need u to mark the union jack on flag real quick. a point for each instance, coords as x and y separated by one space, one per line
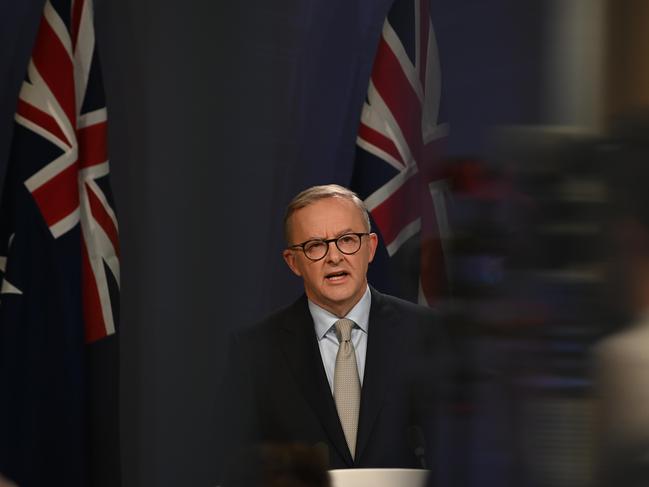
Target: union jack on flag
59 266
399 142
62 101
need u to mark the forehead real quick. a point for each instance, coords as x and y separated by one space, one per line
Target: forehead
327 217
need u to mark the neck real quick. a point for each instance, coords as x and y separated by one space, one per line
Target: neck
338 309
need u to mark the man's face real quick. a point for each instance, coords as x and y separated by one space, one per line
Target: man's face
336 282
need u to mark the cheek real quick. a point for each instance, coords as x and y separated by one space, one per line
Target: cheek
311 273
359 266
366 258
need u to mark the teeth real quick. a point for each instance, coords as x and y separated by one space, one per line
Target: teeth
335 276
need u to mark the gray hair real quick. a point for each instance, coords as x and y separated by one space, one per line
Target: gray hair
317 193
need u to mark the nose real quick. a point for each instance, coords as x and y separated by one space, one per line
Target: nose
334 255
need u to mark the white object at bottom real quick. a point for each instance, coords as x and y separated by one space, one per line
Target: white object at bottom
379 477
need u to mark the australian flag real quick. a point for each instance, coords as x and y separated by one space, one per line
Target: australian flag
59 263
398 170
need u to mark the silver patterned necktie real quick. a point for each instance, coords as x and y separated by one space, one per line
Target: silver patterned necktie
347 386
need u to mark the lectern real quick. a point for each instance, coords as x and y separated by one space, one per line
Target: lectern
379 477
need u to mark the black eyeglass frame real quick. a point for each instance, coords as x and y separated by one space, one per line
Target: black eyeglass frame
302 245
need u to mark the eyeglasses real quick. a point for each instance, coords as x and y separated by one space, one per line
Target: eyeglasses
316 249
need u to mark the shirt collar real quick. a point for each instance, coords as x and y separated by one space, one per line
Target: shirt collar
359 314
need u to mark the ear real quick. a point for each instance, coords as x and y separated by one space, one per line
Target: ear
374 242
291 261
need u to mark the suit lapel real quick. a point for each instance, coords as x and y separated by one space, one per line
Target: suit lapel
300 347
381 338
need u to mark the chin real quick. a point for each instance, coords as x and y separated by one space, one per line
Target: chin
340 299
340 294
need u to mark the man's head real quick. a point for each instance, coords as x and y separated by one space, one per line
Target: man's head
338 280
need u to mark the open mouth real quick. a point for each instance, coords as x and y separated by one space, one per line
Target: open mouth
336 276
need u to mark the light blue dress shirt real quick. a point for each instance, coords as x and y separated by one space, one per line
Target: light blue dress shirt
328 341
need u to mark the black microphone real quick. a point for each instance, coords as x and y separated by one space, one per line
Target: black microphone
418 444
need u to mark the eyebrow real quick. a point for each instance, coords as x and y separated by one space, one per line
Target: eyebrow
339 234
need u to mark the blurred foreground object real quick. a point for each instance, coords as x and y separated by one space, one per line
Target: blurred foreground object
623 358
280 465
6 483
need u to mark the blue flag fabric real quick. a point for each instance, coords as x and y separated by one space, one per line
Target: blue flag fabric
398 170
59 259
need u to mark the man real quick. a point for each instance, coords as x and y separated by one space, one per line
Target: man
344 368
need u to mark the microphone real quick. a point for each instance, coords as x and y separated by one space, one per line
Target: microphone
417 442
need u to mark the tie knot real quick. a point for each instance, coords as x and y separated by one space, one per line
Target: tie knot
344 329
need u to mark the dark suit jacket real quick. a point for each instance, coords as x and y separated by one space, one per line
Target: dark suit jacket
276 390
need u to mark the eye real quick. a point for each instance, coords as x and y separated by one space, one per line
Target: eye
314 245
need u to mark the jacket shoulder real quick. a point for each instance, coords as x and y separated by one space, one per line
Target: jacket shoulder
285 317
392 303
